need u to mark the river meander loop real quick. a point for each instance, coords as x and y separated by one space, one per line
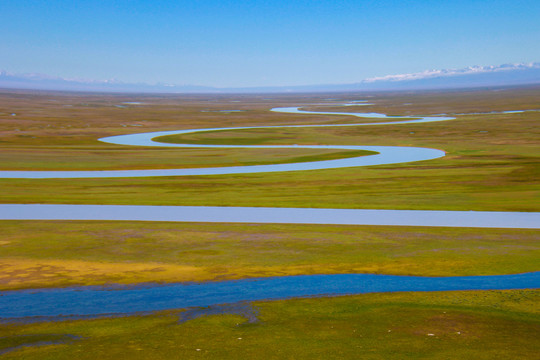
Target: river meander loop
385 154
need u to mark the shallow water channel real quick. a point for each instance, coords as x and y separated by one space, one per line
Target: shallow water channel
101 301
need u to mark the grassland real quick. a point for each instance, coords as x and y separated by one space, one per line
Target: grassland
492 160
449 325
491 164
63 253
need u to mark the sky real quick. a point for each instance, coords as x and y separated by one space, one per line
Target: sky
242 43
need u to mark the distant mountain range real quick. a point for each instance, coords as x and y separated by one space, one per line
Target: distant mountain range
474 76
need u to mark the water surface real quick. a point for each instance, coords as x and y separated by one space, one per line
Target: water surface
99 301
479 219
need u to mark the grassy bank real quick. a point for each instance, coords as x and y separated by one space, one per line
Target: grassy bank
61 253
466 325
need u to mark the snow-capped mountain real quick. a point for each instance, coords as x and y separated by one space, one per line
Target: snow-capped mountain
473 76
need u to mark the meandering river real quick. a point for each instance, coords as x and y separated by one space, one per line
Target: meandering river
386 154
95 301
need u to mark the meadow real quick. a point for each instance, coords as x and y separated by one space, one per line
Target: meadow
491 164
491 161
63 253
447 325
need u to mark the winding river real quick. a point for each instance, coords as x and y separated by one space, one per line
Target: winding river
96 301
386 154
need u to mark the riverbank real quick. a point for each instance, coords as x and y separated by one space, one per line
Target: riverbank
460 324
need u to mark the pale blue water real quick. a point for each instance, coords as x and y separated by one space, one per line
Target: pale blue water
480 219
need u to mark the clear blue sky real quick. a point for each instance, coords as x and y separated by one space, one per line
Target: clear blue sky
256 42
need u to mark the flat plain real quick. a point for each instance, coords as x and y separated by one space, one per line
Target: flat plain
491 165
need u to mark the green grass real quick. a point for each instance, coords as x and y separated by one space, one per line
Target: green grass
464 325
62 253
473 183
107 157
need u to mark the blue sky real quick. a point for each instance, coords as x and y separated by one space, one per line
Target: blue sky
262 43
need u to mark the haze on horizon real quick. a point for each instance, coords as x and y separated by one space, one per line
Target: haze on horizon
262 43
